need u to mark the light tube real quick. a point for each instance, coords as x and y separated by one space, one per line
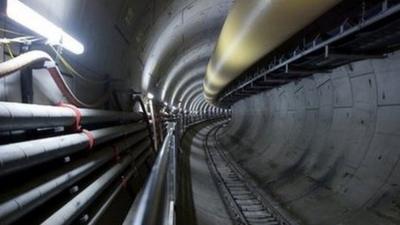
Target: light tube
150 95
32 20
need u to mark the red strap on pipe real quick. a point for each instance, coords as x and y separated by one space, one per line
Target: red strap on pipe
78 115
90 138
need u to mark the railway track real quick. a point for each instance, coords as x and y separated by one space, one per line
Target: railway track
244 201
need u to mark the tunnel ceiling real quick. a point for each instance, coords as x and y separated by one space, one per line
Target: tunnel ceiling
174 42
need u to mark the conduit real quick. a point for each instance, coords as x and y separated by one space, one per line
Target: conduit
23 61
34 57
127 177
73 208
19 116
15 208
109 200
253 29
67 92
18 156
129 128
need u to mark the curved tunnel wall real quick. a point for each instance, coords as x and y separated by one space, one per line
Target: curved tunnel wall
327 146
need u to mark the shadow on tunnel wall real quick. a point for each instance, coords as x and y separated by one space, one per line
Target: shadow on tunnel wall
328 146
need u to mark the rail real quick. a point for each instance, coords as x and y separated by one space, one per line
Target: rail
156 203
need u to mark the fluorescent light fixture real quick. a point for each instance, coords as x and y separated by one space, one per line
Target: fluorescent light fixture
32 20
150 95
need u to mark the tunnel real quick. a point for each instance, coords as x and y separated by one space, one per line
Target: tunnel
199 112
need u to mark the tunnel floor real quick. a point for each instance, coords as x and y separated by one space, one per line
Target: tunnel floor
225 193
208 205
222 192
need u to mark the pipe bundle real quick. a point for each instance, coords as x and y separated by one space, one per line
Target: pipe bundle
101 148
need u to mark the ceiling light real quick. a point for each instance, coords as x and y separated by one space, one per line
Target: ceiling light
150 95
37 23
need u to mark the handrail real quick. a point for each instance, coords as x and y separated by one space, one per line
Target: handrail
156 204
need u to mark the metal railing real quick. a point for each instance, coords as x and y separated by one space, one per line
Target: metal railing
156 204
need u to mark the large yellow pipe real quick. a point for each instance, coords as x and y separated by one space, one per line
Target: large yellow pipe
253 29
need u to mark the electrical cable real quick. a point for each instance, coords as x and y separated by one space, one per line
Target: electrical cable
65 63
72 70
23 60
32 57
12 32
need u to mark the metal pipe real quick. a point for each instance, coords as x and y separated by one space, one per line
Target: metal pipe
18 206
252 30
109 200
133 209
151 204
19 116
23 61
34 57
73 208
26 154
